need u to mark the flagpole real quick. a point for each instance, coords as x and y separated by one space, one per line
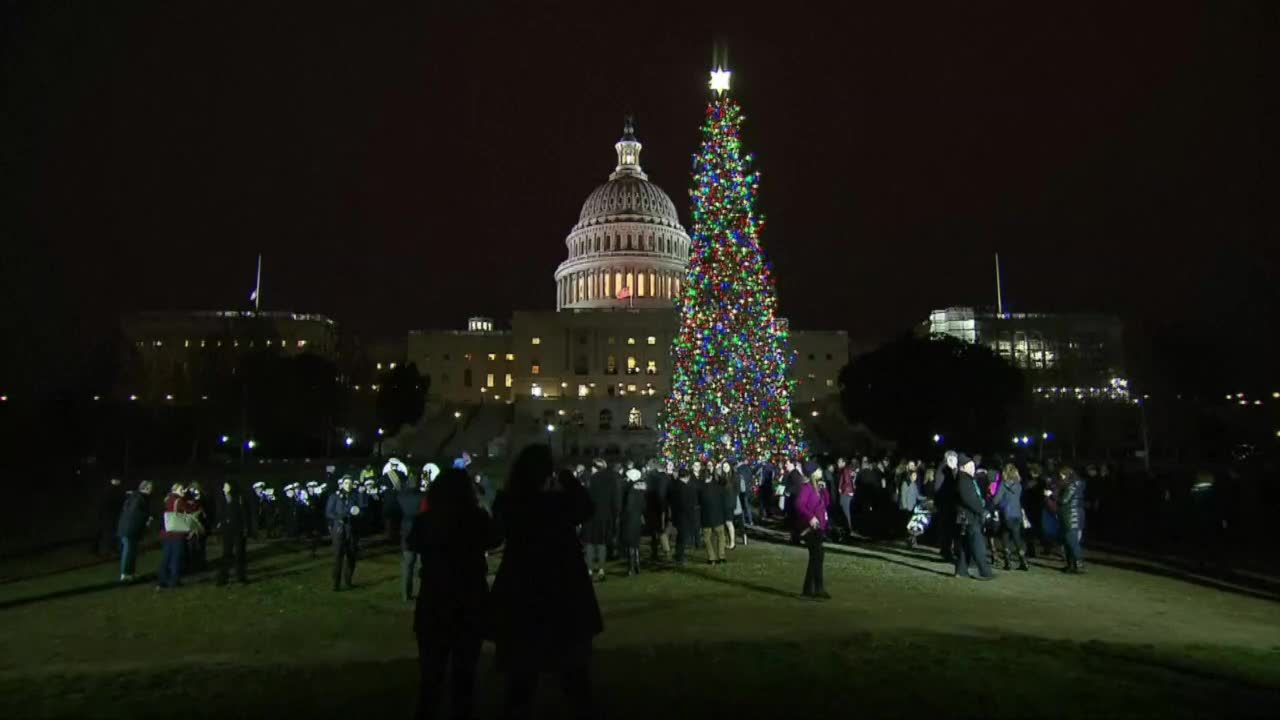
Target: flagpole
257 293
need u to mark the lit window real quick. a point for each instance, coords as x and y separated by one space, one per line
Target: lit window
202 344
632 369
536 390
493 356
379 366
467 357
631 341
488 379
652 340
651 368
631 388
583 391
535 368
506 381
511 357
831 383
301 343
186 343
634 418
392 366
536 341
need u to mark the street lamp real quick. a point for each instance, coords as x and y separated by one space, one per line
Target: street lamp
251 444
224 439
457 414
349 441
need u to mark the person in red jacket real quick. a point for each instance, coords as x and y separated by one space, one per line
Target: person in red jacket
845 486
179 524
811 517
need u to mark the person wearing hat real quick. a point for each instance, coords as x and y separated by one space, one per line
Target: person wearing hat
596 532
342 510
811 516
631 525
971 506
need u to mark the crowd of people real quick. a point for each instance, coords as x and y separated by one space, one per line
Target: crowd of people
560 529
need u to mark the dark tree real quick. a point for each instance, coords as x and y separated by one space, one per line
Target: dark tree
402 398
913 388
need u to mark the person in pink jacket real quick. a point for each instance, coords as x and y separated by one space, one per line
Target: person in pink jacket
811 514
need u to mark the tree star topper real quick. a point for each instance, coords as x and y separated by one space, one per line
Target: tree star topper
720 80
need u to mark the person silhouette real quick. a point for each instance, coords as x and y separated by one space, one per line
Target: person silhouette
545 609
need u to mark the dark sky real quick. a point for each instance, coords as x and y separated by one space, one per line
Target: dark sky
404 169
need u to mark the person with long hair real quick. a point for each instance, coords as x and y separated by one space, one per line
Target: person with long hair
449 621
1008 501
811 517
545 609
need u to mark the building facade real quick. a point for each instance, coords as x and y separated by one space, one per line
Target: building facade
1073 355
171 354
594 373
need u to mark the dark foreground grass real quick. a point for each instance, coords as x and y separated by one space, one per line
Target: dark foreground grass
900 639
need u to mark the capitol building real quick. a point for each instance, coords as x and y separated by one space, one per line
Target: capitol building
590 376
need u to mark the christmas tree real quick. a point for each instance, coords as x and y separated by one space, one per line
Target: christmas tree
730 395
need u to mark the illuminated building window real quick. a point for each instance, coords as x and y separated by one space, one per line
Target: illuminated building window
379 366
511 357
186 343
301 343
652 340
536 390
467 357
535 368
488 380
651 368
493 356
640 292
536 341
632 369
202 343
631 341
392 366
583 391
810 376
506 381
635 419
831 383
631 388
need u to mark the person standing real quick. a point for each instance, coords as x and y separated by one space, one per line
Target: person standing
845 489
811 516
1071 517
449 622
236 523
631 525
657 487
598 529
970 510
725 479
711 515
180 522
1008 502
908 498
768 477
106 540
408 502
746 485
197 558
545 609
135 518
342 510
684 512
944 498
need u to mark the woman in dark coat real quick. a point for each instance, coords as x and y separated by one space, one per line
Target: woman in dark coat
631 525
449 618
545 610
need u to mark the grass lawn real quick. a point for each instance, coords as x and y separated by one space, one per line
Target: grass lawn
901 637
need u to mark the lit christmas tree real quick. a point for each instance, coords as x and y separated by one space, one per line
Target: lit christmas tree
730 395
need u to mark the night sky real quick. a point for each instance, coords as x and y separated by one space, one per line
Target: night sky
406 169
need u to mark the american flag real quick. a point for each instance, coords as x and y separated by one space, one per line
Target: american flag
624 293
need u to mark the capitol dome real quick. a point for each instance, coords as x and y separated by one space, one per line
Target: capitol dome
628 248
